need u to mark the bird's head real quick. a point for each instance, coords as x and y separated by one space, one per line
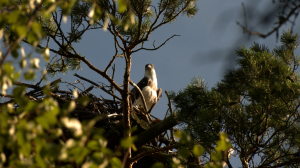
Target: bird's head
150 71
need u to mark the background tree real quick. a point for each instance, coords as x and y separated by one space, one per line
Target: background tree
257 105
280 14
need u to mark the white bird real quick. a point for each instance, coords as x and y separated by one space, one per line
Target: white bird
148 86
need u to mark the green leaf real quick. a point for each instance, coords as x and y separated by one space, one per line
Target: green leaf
216 156
184 152
80 156
47 90
19 95
8 68
223 144
23 63
157 165
26 149
69 106
183 137
21 30
17 75
13 16
21 137
51 115
31 106
115 162
83 101
128 142
32 39
15 53
29 75
178 134
122 6
43 121
93 145
36 28
198 150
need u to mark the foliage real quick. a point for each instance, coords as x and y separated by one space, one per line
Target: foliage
257 105
38 127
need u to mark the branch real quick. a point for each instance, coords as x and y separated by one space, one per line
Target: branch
106 91
155 48
150 152
141 93
281 22
288 162
171 111
102 119
41 88
110 63
6 95
156 130
68 54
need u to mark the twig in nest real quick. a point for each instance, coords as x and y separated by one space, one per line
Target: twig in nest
106 91
149 152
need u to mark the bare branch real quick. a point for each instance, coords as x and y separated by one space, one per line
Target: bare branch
106 91
141 94
155 48
171 111
282 21
150 152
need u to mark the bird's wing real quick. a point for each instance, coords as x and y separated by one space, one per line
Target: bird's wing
142 83
158 92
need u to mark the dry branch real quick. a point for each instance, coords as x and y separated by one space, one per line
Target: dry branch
141 94
149 152
106 91
156 130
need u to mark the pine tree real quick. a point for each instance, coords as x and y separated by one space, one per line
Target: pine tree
257 105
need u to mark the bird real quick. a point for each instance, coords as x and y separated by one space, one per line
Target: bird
148 86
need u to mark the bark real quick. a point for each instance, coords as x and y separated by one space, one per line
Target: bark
156 130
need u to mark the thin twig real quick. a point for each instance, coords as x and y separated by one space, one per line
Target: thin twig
106 91
149 152
38 84
141 94
155 48
281 22
169 102
171 111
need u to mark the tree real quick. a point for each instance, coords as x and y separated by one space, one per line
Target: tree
257 105
44 126
279 14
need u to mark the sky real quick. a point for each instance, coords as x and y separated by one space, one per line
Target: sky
205 48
